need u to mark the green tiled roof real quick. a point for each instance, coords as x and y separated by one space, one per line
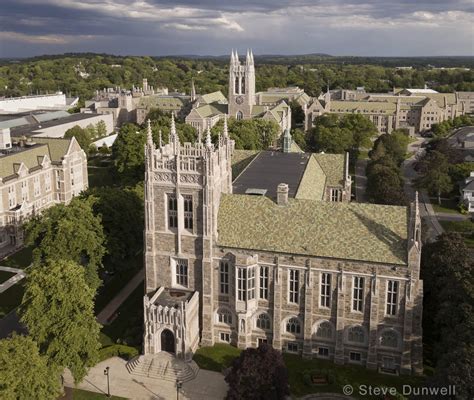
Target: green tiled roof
350 231
31 157
313 182
57 147
209 110
214 97
363 106
332 166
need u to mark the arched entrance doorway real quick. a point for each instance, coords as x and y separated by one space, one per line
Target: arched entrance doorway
167 341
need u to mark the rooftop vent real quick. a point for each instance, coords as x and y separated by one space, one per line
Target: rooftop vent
282 194
256 192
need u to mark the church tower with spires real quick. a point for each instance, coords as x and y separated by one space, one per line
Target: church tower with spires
241 86
183 187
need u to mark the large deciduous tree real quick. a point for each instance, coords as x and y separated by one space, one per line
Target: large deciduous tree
69 232
258 374
82 136
24 373
58 310
447 271
434 174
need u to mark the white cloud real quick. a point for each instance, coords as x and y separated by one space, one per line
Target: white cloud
43 39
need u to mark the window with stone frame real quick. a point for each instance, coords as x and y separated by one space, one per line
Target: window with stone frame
324 330
181 266
294 285
356 334
224 316
292 347
172 211
293 326
336 195
251 283
242 284
224 277
325 295
358 293
188 212
392 297
263 321
264 283
389 338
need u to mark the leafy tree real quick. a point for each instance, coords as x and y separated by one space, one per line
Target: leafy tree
258 374
299 138
101 129
385 185
69 232
82 136
24 373
339 133
128 153
297 113
448 323
393 144
58 310
434 174
122 215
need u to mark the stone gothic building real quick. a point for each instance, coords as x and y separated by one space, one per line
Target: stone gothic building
317 276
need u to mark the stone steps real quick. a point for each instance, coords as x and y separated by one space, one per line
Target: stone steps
163 366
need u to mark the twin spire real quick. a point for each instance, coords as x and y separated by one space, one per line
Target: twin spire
234 57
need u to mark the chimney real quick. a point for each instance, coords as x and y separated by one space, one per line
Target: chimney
282 194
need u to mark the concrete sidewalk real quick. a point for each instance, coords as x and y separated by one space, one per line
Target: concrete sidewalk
19 275
207 385
360 181
108 311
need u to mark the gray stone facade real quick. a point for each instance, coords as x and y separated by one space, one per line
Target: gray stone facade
345 310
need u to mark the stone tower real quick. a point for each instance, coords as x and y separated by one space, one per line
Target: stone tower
241 86
183 186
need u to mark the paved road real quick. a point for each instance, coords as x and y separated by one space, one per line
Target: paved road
207 385
360 181
433 228
109 310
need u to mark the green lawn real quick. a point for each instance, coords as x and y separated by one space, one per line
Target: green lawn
127 328
465 228
363 154
79 394
21 259
217 357
220 356
5 276
449 206
11 298
101 176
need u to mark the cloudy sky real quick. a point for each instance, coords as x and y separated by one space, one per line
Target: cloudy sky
212 27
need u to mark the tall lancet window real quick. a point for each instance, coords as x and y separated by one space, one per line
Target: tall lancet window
236 86
242 86
172 211
188 212
239 115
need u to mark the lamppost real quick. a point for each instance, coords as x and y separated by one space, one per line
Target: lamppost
179 385
106 373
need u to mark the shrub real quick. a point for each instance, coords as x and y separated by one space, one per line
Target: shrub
117 350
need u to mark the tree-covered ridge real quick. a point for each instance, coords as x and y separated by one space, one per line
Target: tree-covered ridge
82 74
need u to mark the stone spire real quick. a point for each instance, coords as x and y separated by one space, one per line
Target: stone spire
160 141
225 131
287 140
208 137
174 139
149 136
247 58
251 57
236 57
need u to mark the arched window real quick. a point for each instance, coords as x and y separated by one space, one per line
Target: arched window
324 330
293 326
263 321
389 338
239 115
236 88
224 316
356 334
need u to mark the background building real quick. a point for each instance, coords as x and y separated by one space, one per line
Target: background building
35 174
